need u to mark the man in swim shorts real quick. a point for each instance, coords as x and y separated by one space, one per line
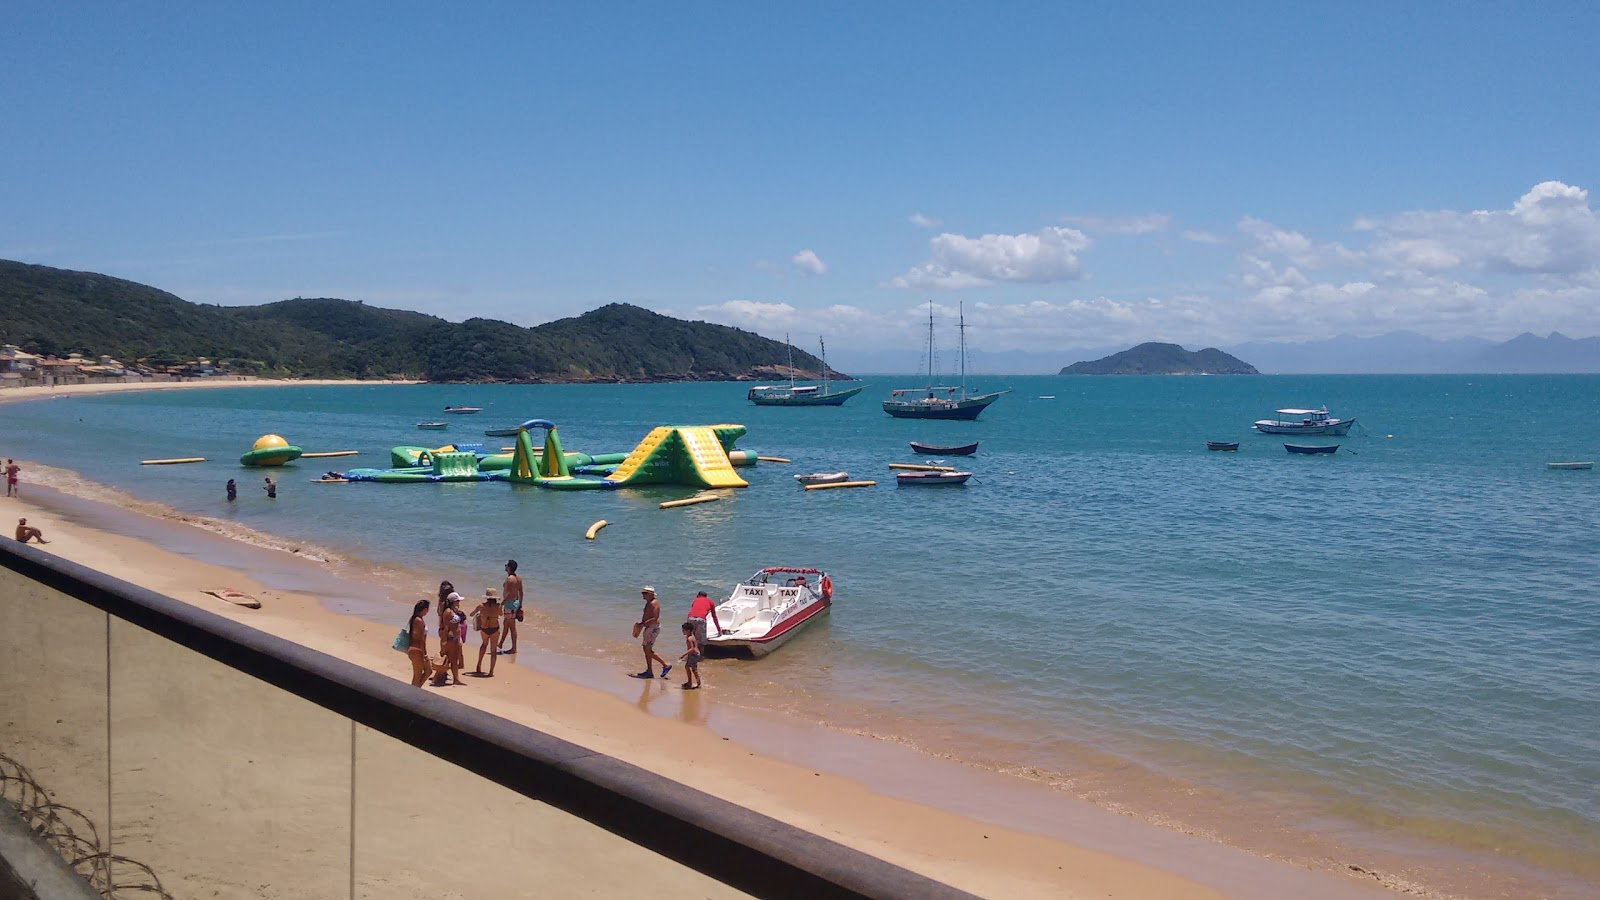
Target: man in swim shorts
513 605
26 532
11 478
649 628
698 610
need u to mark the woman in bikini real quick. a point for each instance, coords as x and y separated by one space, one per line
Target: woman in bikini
418 651
487 615
450 619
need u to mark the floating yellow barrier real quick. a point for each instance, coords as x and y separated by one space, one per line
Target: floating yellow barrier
839 484
595 529
773 459
171 462
327 453
921 468
690 501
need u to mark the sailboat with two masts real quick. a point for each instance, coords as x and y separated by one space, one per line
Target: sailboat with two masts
940 401
793 394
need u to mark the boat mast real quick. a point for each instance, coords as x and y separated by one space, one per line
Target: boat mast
930 346
962 328
824 345
786 343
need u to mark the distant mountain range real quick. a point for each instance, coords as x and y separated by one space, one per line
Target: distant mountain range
56 311
1163 359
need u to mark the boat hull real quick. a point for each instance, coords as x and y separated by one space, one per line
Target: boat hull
930 450
767 611
1311 449
1570 465
1222 445
1335 429
823 478
785 399
933 408
931 479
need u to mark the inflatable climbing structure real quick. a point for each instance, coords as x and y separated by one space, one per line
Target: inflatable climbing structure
692 455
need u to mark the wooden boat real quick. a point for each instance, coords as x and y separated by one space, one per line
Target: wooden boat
930 478
433 426
501 432
768 608
1571 465
930 450
463 410
823 477
940 401
1304 421
1222 445
1311 448
793 394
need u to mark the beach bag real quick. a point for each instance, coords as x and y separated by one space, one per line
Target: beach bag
637 628
402 641
519 614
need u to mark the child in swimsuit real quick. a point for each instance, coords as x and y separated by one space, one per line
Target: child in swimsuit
691 658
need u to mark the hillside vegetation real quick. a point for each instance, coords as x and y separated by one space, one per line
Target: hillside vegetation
1163 359
55 311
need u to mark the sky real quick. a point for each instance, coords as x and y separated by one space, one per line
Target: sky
1086 174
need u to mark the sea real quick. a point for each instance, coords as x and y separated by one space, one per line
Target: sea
1388 654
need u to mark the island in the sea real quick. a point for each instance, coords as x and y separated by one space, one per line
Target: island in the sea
1163 359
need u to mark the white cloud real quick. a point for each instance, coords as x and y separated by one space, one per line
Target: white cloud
809 264
1550 230
751 314
1131 225
1041 257
922 221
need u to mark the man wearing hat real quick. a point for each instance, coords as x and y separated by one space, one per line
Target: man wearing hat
648 628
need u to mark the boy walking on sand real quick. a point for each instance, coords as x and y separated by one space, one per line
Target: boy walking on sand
691 659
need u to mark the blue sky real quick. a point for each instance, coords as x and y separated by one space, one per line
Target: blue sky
1076 175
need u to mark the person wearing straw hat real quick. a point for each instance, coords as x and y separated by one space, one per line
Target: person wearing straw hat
647 629
487 617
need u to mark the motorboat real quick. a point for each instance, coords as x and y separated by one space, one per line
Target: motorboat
931 450
433 426
823 477
1571 465
1311 448
930 478
768 608
463 410
1304 421
1222 445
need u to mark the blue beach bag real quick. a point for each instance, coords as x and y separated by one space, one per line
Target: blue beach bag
402 641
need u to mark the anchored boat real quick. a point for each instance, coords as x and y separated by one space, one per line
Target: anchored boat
823 477
920 479
768 608
1304 421
801 394
931 450
939 401
1311 448
463 410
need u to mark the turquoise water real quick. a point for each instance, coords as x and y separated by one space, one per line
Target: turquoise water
1404 634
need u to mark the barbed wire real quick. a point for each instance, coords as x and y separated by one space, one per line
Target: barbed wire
72 834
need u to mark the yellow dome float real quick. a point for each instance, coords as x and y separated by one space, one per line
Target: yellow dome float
270 450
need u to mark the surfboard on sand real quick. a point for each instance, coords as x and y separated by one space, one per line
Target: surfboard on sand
236 597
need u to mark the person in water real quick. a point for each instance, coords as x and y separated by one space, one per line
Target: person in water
488 614
513 604
417 626
26 533
271 488
648 628
233 491
698 610
690 657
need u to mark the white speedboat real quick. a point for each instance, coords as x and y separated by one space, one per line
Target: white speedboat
931 478
463 410
1304 421
769 608
823 478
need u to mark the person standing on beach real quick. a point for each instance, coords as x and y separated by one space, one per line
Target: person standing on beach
11 478
450 619
233 491
513 591
26 532
271 488
417 625
647 629
487 614
698 610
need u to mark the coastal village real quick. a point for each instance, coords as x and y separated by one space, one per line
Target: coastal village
19 368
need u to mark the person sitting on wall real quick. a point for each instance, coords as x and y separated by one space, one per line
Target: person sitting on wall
26 533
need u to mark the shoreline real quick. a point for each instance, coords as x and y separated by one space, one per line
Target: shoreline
988 833
45 392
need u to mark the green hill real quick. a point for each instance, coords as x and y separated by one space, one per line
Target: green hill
1163 359
55 311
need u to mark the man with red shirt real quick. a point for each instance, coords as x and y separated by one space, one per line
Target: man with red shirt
698 610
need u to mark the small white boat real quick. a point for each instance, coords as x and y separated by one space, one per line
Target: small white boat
433 426
463 410
769 608
1571 465
1304 421
823 477
931 478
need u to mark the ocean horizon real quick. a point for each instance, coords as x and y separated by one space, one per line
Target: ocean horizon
1390 646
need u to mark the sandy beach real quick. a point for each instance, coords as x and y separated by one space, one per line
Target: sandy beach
37 392
990 834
